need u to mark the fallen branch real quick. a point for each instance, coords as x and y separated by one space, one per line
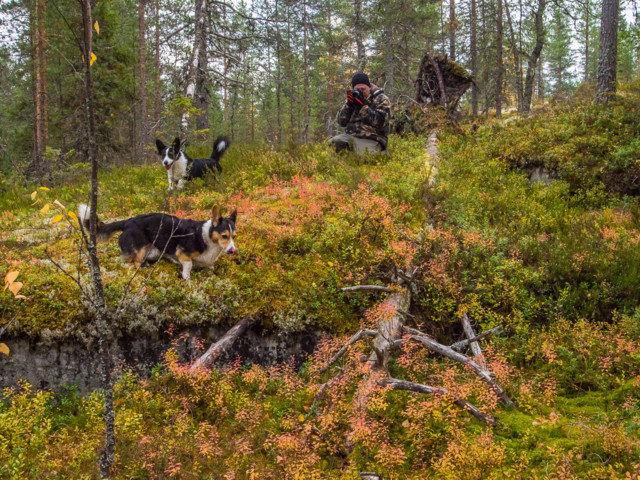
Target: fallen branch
475 346
396 384
367 287
484 375
458 346
227 340
343 350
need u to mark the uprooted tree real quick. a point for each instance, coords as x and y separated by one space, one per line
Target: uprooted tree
439 86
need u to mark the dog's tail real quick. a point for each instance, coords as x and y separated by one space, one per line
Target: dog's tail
220 146
105 230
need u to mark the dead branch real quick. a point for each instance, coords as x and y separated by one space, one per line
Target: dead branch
343 350
458 346
227 340
396 384
443 93
484 375
475 346
367 287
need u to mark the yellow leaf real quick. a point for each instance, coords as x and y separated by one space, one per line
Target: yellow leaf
58 204
4 349
10 277
57 218
33 195
45 209
97 27
93 58
301 418
15 287
44 188
73 215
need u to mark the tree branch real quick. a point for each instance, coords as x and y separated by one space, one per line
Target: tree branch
343 350
222 345
367 287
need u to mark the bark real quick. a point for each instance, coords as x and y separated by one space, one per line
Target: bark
458 346
305 61
358 31
278 76
473 51
534 56
452 29
367 287
201 95
586 42
475 346
390 60
517 63
448 352
330 74
222 345
608 55
196 57
396 384
39 166
107 456
144 124
156 64
499 61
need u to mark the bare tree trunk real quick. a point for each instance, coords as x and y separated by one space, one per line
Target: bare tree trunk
452 29
499 60
38 166
533 58
608 55
222 345
390 59
198 42
305 59
156 64
330 74
108 454
359 34
586 42
517 64
540 79
201 93
279 76
144 124
473 50
485 58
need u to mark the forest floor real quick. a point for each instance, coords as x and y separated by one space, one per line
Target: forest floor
555 262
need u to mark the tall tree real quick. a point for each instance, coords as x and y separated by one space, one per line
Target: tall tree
452 29
38 166
358 31
517 63
608 56
534 55
558 51
144 124
305 64
473 51
500 66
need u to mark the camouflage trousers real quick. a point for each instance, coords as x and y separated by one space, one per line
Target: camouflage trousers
345 141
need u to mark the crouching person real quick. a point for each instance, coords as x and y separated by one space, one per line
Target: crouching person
365 116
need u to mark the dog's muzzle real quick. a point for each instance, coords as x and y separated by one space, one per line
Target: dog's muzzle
167 165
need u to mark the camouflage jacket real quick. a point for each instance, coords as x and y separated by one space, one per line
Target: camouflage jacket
371 121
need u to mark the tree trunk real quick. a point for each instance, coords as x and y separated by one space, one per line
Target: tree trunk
359 34
517 65
156 64
473 51
201 93
108 454
533 58
608 55
279 76
305 60
38 166
540 79
390 59
194 64
452 29
330 74
586 42
499 62
222 345
144 124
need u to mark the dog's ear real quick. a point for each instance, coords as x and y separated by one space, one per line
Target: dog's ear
215 215
233 215
160 146
176 145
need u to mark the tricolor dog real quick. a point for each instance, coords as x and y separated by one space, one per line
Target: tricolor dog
181 167
152 236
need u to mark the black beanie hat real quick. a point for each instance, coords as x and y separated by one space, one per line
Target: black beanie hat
360 77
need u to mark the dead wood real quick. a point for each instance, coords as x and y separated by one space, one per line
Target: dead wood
484 375
475 346
396 384
222 345
441 82
367 287
459 346
343 350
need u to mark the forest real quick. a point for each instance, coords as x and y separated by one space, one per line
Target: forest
460 302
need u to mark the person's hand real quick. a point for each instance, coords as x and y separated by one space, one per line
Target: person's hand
358 98
350 100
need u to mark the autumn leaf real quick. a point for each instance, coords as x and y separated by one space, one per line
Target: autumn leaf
57 218
44 188
10 278
4 349
73 215
97 27
301 418
93 59
15 287
45 209
33 195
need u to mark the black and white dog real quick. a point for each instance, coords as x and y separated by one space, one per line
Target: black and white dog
181 167
151 236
